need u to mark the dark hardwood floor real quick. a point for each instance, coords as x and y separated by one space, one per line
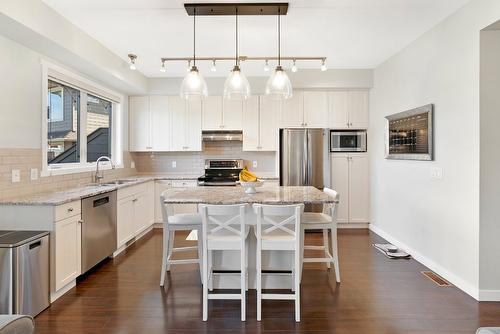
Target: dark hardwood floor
377 295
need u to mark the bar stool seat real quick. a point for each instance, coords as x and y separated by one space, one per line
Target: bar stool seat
185 219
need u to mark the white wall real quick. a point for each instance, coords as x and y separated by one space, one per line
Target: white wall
489 274
436 220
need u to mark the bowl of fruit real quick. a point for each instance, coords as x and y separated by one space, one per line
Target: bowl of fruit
249 181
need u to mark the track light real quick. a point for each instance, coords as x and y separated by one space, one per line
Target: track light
213 68
323 66
294 67
162 68
266 66
132 58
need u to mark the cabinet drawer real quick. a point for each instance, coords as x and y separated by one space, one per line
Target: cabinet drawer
184 183
67 210
132 190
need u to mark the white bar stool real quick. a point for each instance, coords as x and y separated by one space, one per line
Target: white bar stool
224 228
278 228
326 221
178 222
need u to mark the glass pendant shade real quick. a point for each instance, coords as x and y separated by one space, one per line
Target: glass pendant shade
236 86
278 85
193 85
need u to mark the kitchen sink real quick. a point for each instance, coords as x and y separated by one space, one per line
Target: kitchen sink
118 182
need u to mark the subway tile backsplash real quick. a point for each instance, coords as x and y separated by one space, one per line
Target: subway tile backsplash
193 163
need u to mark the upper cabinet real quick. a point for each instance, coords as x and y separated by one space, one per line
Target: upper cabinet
221 114
164 123
305 109
260 124
349 109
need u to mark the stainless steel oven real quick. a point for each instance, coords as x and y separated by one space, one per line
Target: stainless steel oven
347 141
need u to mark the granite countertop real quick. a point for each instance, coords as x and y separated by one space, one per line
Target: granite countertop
237 195
77 193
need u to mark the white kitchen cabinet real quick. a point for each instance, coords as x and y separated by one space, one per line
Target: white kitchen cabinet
232 115
160 187
212 113
135 211
350 178
260 124
349 109
292 111
160 123
140 124
358 109
125 228
66 251
149 124
186 124
315 109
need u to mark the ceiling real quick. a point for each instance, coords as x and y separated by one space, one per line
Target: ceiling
350 33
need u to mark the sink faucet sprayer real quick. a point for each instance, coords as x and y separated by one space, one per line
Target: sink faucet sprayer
98 177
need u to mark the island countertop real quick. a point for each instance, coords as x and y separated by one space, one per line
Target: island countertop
237 195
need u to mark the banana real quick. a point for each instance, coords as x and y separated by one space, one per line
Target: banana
247 176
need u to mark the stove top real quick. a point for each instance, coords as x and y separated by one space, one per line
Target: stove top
221 172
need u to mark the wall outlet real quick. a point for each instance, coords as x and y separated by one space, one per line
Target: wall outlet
132 164
34 174
436 173
16 175
174 164
254 164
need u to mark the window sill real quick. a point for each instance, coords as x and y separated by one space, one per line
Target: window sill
75 169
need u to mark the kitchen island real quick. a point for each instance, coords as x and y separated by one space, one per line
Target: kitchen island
268 194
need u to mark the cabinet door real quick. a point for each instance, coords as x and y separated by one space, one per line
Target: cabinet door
340 183
212 113
269 111
251 124
125 220
160 187
232 114
338 110
67 251
160 123
292 111
359 188
358 109
178 126
316 109
143 212
139 124
193 126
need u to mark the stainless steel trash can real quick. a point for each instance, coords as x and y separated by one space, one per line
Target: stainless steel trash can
24 272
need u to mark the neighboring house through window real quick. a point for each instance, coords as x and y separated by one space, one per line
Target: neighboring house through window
82 124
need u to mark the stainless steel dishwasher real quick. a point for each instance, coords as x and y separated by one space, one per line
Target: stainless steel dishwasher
98 228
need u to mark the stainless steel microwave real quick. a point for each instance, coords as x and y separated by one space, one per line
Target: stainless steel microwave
347 141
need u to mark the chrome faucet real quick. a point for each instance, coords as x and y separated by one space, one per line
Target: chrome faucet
99 176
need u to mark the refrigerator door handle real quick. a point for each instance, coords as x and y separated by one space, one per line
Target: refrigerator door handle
305 160
309 159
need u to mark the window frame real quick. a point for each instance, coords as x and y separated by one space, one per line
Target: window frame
56 73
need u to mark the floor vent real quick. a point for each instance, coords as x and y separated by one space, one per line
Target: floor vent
436 278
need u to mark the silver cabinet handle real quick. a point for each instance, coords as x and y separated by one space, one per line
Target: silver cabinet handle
134 200
149 147
80 221
70 209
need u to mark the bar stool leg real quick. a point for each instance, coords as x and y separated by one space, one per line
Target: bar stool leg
326 246
170 248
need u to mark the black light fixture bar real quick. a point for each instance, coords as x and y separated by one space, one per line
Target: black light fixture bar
257 8
242 58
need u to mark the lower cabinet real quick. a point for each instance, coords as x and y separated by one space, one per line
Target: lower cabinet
135 211
66 251
350 178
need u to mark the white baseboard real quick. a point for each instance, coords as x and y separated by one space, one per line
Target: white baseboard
452 278
489 295
131 241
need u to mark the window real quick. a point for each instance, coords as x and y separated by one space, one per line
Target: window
81 123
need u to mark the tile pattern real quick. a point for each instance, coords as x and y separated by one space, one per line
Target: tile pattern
25 159
194 162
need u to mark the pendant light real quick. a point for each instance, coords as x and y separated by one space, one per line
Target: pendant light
236 86
193 84
278 85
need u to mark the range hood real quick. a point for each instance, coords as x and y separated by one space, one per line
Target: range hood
222 136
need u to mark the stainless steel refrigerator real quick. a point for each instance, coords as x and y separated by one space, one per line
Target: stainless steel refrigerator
304 159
